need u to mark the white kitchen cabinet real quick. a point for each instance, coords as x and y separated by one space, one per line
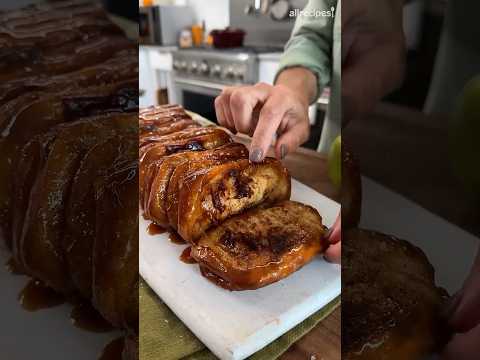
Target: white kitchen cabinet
156 73
145 79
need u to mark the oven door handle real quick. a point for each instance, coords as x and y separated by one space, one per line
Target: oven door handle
200 83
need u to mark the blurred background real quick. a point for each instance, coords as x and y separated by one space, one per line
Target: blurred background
411 143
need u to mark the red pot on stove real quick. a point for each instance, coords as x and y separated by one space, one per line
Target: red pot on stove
228 38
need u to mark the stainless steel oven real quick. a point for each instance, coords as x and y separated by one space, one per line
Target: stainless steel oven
197 95
199 75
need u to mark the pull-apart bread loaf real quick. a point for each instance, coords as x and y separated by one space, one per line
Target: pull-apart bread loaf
244 232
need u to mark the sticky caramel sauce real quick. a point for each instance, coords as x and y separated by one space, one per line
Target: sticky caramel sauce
217 280
154 229
175 238
186 256
36 296
85 317
13 268
113 350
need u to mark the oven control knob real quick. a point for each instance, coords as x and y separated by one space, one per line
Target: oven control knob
183 65
216 70
176 65
240 74
230 72
193 67
204 69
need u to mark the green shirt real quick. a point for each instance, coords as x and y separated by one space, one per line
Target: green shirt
316 45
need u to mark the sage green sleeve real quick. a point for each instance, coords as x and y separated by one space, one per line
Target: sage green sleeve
310 45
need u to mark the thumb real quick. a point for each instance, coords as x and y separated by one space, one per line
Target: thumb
292 138
467 314
463 346
334 237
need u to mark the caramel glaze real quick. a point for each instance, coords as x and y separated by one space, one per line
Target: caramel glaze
113 350
217 280
85 317
13 267
186 256
175 238
154 229
36 296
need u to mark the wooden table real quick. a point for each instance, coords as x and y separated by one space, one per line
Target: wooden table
324 341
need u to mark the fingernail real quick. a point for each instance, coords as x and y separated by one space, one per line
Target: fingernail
256 155
328 232
452 305
283 151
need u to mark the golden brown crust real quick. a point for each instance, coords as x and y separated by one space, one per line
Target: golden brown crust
158 174
261 246
195 142
209 196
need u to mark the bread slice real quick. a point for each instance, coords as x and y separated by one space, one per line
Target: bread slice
195 142
390 304
261 246
157 177
212 195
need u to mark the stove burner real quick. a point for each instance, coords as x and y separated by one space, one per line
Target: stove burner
235 66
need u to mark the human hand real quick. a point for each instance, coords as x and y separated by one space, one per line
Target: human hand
465 319
263 111
373 54
334 237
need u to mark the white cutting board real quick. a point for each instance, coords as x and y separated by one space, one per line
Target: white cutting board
234 325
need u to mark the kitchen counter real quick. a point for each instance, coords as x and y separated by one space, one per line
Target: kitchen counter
162 48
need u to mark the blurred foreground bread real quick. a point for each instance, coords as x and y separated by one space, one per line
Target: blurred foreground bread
351 190
390 304
68 170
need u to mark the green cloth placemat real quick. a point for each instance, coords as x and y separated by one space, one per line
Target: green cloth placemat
164 337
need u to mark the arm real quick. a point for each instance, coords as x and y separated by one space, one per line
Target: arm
264 111
310 48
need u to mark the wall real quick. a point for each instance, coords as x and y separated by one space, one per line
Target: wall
215 13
